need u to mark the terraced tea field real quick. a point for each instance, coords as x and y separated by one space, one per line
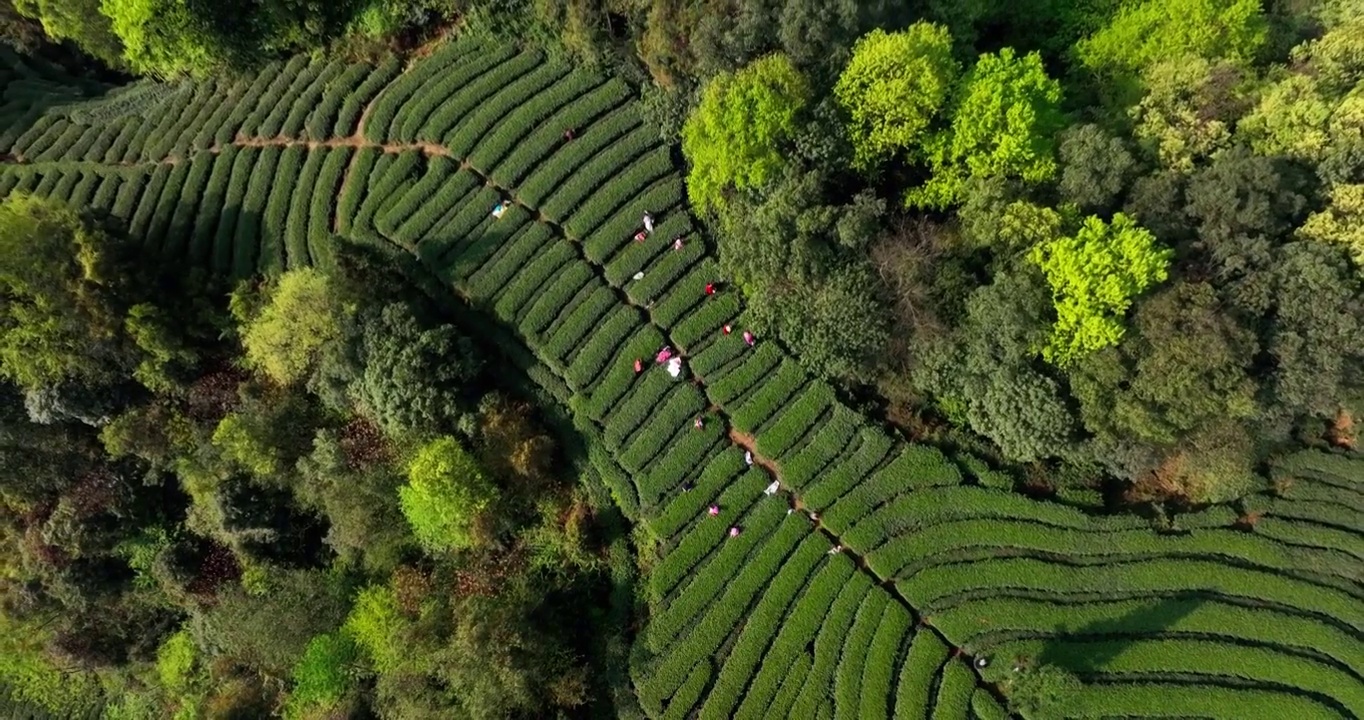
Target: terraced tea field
903 582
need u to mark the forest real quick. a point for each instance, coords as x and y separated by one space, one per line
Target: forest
681 358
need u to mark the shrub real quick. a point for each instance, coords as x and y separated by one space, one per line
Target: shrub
529 280
349 113
794 421
694 570
447 90
192 202
589 340
829 645
176 660
766 399
272 98
849 469
797 628
309 100
273 122
394 96
770 566
212 209
640 403
454 109
545 309
562 106
295 225
493 275
246 239
914 690
597 120
663 427
246 106
754 369
463 138
620 134
419 197
637 158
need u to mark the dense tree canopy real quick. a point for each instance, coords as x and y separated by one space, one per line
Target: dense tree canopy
1095 167
80 21
1146 32
62 302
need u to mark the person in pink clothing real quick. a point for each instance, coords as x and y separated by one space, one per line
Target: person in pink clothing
748 338
639 366
714 510
699 423
734 532
664 355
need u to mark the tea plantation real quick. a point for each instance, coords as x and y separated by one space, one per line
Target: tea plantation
905 583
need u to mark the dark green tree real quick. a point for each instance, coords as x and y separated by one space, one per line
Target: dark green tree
1185 366
986 375
1313 338
1095 167
413 374
838 327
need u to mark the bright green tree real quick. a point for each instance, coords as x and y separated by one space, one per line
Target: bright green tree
1289 119
1094 275
375 623
321 677
735 137
893 88
1318 108
1004 125
284 339
1342 222
1147 32
1336 58
445 493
